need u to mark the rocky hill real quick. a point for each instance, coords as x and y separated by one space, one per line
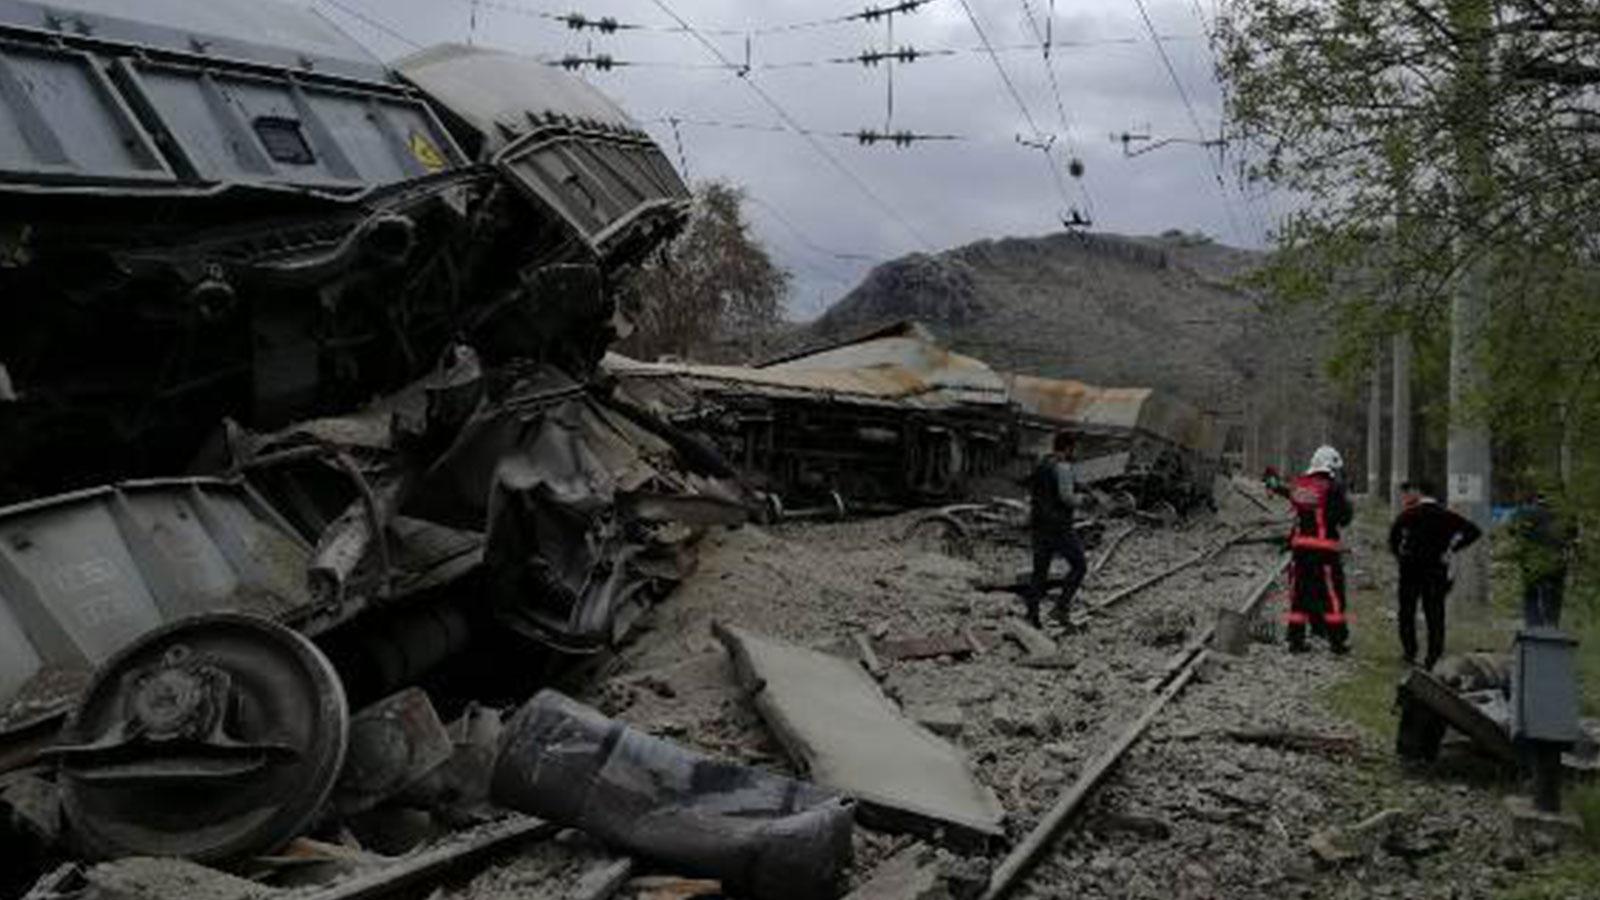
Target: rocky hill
1113 310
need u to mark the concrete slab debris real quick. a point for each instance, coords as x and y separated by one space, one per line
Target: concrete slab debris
911 874
946 720
958 646
1036 642
840 728
1333 846
1437 697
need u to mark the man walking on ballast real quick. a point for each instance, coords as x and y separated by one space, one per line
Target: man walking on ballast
1054 497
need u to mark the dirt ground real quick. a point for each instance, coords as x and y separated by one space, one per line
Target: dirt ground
1191 813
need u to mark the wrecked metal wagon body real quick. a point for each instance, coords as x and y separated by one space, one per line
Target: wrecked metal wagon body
230 208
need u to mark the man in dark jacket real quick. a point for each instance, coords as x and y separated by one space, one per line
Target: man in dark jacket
1422 538
1542 542
1054 496
1316 575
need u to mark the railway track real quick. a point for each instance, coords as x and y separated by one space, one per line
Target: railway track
1174 676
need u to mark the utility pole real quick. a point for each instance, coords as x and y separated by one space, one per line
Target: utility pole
1470 462
1400 412
1375 429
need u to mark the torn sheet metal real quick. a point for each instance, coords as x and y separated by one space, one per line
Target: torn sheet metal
84 574
841 730
582 508
764 836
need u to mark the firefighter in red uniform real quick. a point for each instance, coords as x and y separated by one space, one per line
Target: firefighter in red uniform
1317 594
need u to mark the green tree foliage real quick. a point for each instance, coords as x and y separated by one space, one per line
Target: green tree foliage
714 282
1427 138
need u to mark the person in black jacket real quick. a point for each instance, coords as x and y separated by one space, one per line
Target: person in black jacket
1054 497
1422 538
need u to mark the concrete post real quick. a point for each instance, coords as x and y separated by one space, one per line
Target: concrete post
1400 413
1374 459
1469 441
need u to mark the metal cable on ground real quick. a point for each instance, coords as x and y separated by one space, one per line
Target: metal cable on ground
790 121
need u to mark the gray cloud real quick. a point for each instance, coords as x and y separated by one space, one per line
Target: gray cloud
987 185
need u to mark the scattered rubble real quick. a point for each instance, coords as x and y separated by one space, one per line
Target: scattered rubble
843 733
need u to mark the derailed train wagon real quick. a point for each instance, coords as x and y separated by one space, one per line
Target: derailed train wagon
224 230
1142 447
230 208
889 418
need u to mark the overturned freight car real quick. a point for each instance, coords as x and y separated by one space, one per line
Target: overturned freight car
224 230
1141 447
891 418
230 208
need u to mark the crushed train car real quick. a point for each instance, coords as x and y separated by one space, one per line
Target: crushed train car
224 229
892 417
231 208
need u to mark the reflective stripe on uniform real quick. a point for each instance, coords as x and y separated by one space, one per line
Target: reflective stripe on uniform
1304 542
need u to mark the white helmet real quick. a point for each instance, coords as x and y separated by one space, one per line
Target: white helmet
1326 459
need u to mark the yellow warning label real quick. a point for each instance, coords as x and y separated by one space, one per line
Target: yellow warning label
426 153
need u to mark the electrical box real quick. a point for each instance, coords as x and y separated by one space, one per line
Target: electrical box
1544 687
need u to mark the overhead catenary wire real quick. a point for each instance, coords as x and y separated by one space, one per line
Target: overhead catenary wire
1194 117
865 136
611 25
372 23
1037 140
1207 27
789 120
1046 40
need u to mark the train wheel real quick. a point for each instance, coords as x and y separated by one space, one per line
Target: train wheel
214 737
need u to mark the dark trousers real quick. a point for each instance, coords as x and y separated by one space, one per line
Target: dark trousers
1428 586
1049 542
1541 601
1317 598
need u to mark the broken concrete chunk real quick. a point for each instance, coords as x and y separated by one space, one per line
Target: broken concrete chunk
1333 846
956 646
765 836
837 725
143 878
911 874
946 719
1034 641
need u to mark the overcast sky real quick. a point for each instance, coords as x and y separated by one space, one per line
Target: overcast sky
937 194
